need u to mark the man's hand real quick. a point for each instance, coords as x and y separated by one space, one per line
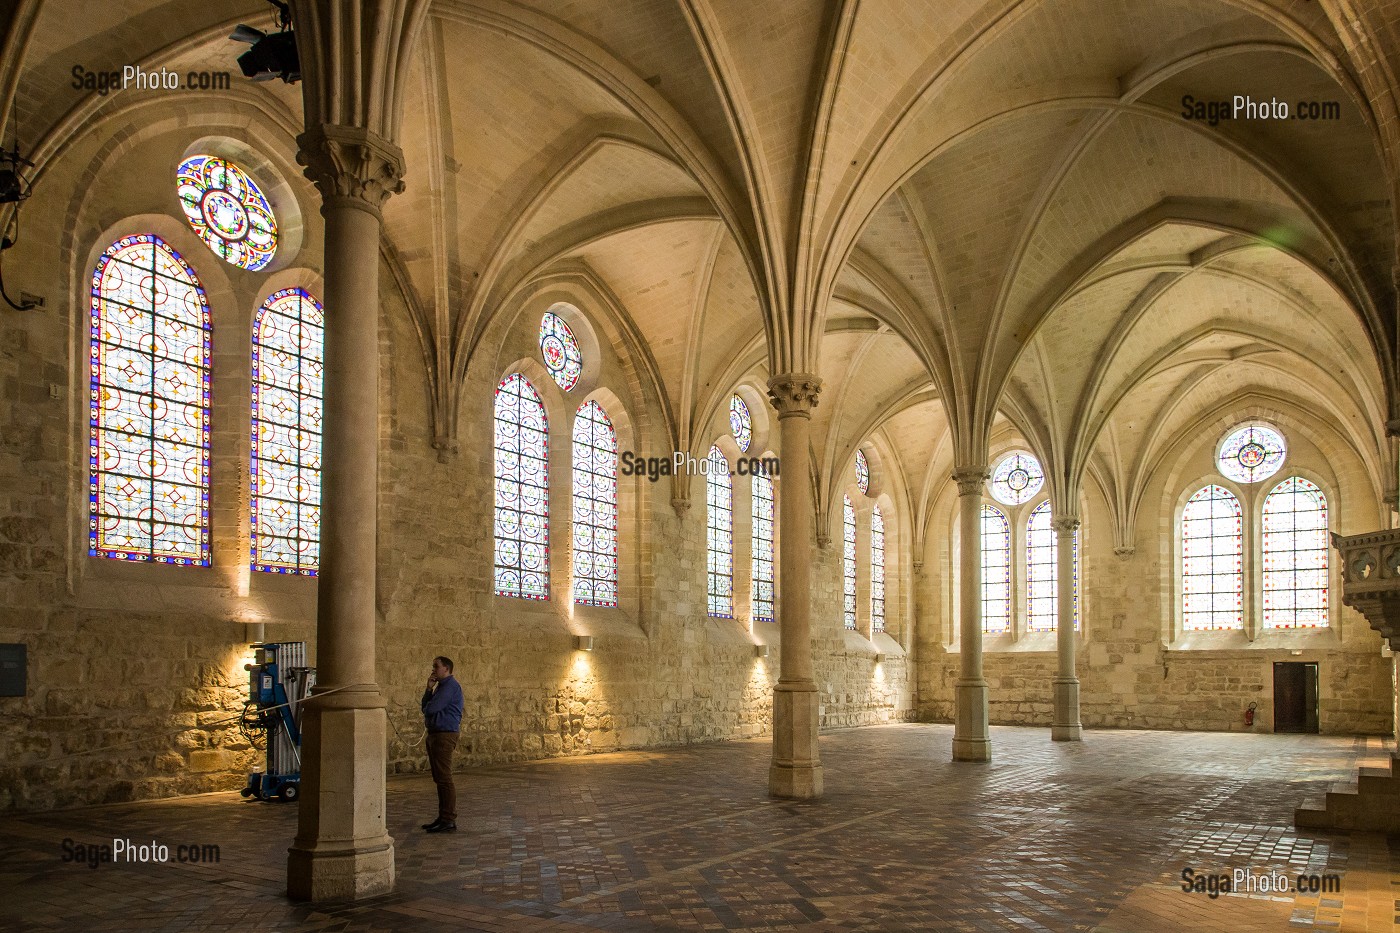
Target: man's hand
432 681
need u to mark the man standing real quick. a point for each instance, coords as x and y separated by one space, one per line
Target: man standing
442 712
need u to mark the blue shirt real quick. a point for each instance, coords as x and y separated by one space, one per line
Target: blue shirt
442 708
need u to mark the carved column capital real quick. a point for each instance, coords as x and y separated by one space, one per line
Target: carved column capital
1065 527
971 480
351 166
682 507
1123 553
1392 428
794 394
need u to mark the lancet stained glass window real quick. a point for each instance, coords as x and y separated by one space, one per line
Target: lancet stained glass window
1251 453
562 356
996 571
719 531
522 490
848 562
1212 548
1041 570
228 210
740 422
286 466
148 447
877 570
1017 479
763 520
862 472
595 507
1295 555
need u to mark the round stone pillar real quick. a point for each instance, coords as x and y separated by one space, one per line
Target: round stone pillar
342 849
1065 727
796 770
971 732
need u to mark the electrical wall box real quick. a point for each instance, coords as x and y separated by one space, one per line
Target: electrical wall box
13 670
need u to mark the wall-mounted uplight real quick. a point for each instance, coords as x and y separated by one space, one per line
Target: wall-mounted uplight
760 651
583 642
879 658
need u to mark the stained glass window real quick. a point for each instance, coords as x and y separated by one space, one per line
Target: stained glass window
1040 570
1212 547
877 570
1017 479
595 507
848 562
1295 555
862 472
763 513
286 466
719 530
560 351
996 571
148 447
740 422
228 210
522 490
1251 453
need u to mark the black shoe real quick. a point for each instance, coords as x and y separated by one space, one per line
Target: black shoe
429 826
442 826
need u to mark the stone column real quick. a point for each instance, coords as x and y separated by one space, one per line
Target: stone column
796 770
342 849
1066 727
971 734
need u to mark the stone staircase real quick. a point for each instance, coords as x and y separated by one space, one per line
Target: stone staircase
1371 804
1371 586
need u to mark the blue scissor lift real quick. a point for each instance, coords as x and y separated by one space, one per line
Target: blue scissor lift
278 682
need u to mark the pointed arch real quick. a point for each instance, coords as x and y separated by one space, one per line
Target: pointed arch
595 506
1295 555
1212 555
285 500
996 571
522 490
148 452
719 535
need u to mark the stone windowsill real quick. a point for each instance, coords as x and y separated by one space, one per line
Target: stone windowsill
1235 642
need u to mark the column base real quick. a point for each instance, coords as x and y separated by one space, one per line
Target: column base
796 770
322 874
342 850
1066 727
972 734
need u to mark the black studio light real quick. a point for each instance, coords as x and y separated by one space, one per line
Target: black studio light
13 185
273 54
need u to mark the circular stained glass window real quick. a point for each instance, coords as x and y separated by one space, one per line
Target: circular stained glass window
228 211
740 423
1252 453
560 351
862 471
1017 478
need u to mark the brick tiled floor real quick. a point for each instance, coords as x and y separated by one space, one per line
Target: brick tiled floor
1050 836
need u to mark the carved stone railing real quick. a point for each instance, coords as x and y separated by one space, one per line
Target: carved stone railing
1371 579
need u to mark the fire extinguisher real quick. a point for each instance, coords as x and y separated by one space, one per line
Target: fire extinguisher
1249 714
